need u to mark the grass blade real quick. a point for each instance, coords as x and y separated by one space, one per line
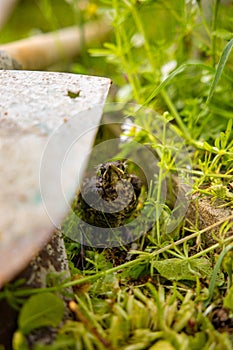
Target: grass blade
215 272
219 69
177 71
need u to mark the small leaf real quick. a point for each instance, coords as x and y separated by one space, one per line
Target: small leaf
223 34
162 345
217 142
208 147
178 269
19 342
223 140
228 301
173 74
165 82
41 310
136 271
228 130
99 52
219 69
215 273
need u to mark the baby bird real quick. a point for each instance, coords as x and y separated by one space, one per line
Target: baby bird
109 198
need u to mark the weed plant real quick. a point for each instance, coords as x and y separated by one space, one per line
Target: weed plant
174 292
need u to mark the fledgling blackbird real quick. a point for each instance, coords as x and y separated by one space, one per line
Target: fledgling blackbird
109 198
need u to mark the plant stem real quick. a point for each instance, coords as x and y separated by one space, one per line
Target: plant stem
165 96
141 30
143 258
214 26
209 249
204 22
127 62
177 117
160 181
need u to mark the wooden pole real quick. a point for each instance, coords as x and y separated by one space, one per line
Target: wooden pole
41 51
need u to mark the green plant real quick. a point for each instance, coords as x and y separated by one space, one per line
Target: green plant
176 59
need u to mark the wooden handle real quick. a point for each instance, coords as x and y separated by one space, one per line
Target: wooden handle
41 51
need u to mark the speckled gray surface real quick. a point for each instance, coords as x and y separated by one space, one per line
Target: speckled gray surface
39 121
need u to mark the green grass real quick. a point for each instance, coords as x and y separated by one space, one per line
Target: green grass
175 288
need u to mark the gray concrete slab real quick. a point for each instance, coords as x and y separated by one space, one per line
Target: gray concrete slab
48 123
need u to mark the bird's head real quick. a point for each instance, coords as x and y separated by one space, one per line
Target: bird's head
111 172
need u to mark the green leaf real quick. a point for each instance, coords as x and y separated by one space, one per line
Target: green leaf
228 130
19 342
99 52
178 269
217 143
41 310
183 68
173 74
165 82
223 34
219 69
136 271
228 301
207 146
215 273
162 345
